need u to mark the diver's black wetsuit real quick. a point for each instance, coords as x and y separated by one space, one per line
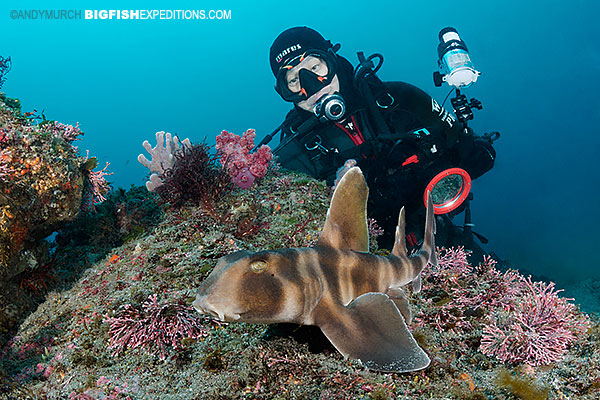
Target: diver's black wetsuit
420 138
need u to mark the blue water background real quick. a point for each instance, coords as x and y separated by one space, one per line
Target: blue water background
125 80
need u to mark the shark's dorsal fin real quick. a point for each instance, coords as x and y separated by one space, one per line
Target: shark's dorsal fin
346 224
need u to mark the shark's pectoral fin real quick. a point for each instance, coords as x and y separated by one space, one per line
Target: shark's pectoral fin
399 298
416 283
372 330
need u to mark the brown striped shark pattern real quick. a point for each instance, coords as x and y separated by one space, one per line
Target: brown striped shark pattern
354 297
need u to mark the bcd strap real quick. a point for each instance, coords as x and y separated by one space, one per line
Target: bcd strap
377 96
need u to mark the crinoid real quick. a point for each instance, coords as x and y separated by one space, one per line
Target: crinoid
196 176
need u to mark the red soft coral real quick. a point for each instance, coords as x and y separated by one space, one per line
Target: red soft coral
243 167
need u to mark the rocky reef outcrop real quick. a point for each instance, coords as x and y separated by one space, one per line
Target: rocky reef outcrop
41 184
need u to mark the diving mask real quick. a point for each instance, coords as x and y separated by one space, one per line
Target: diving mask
319 72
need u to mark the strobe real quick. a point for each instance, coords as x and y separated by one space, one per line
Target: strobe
454 61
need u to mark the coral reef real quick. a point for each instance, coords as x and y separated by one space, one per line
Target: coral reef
122 217
62 350
41 183
44 184
243 166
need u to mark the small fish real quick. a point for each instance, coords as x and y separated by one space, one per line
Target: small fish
354 297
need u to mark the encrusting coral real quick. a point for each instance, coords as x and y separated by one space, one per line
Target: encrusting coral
42 180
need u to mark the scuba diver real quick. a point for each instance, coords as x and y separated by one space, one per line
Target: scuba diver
403 140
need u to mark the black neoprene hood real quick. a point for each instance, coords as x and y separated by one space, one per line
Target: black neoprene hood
293 42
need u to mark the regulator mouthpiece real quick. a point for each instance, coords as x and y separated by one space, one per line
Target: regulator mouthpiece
330 107
454 61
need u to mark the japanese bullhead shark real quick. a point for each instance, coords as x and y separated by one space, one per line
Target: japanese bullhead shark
354 297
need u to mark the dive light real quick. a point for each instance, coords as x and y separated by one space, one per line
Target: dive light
454 61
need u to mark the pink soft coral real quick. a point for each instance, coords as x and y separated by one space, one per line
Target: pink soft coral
243 167
537 329
155 328
522 321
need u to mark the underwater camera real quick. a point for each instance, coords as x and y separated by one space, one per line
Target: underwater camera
330 107
426 171
449 189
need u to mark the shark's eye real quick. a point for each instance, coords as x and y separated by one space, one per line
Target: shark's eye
258 266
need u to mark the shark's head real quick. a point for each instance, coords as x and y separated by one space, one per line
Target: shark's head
252 287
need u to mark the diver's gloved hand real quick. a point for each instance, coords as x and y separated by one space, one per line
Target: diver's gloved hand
163 157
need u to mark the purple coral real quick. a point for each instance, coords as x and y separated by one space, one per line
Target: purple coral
536 330
374 229
243 167
155 328
98 184
458 291
68 132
